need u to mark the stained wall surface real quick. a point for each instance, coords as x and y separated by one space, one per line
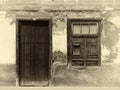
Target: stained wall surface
59 11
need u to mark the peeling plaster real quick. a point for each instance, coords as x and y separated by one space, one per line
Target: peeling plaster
59 41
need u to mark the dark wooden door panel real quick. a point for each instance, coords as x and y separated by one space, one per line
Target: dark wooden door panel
85 50
34 52
78 50
92 47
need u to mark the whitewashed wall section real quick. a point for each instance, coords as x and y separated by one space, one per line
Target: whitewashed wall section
7 40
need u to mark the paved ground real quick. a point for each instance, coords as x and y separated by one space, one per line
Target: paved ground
104 76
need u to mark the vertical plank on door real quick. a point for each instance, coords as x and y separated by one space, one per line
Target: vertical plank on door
34 52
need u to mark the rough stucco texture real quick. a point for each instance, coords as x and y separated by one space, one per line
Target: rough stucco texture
105 76
55 1
62 74
109 32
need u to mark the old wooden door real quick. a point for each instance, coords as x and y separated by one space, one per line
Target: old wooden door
84 43
33 52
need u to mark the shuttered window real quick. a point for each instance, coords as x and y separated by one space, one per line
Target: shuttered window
84 42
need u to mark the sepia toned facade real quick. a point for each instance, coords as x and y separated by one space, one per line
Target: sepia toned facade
60 43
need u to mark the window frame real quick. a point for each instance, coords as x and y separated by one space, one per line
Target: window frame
82 23
71 21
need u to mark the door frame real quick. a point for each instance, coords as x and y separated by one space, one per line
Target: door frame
18 45
69 32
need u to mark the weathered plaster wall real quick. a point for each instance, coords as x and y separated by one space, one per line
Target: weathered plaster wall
59 11
110 52
109 35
